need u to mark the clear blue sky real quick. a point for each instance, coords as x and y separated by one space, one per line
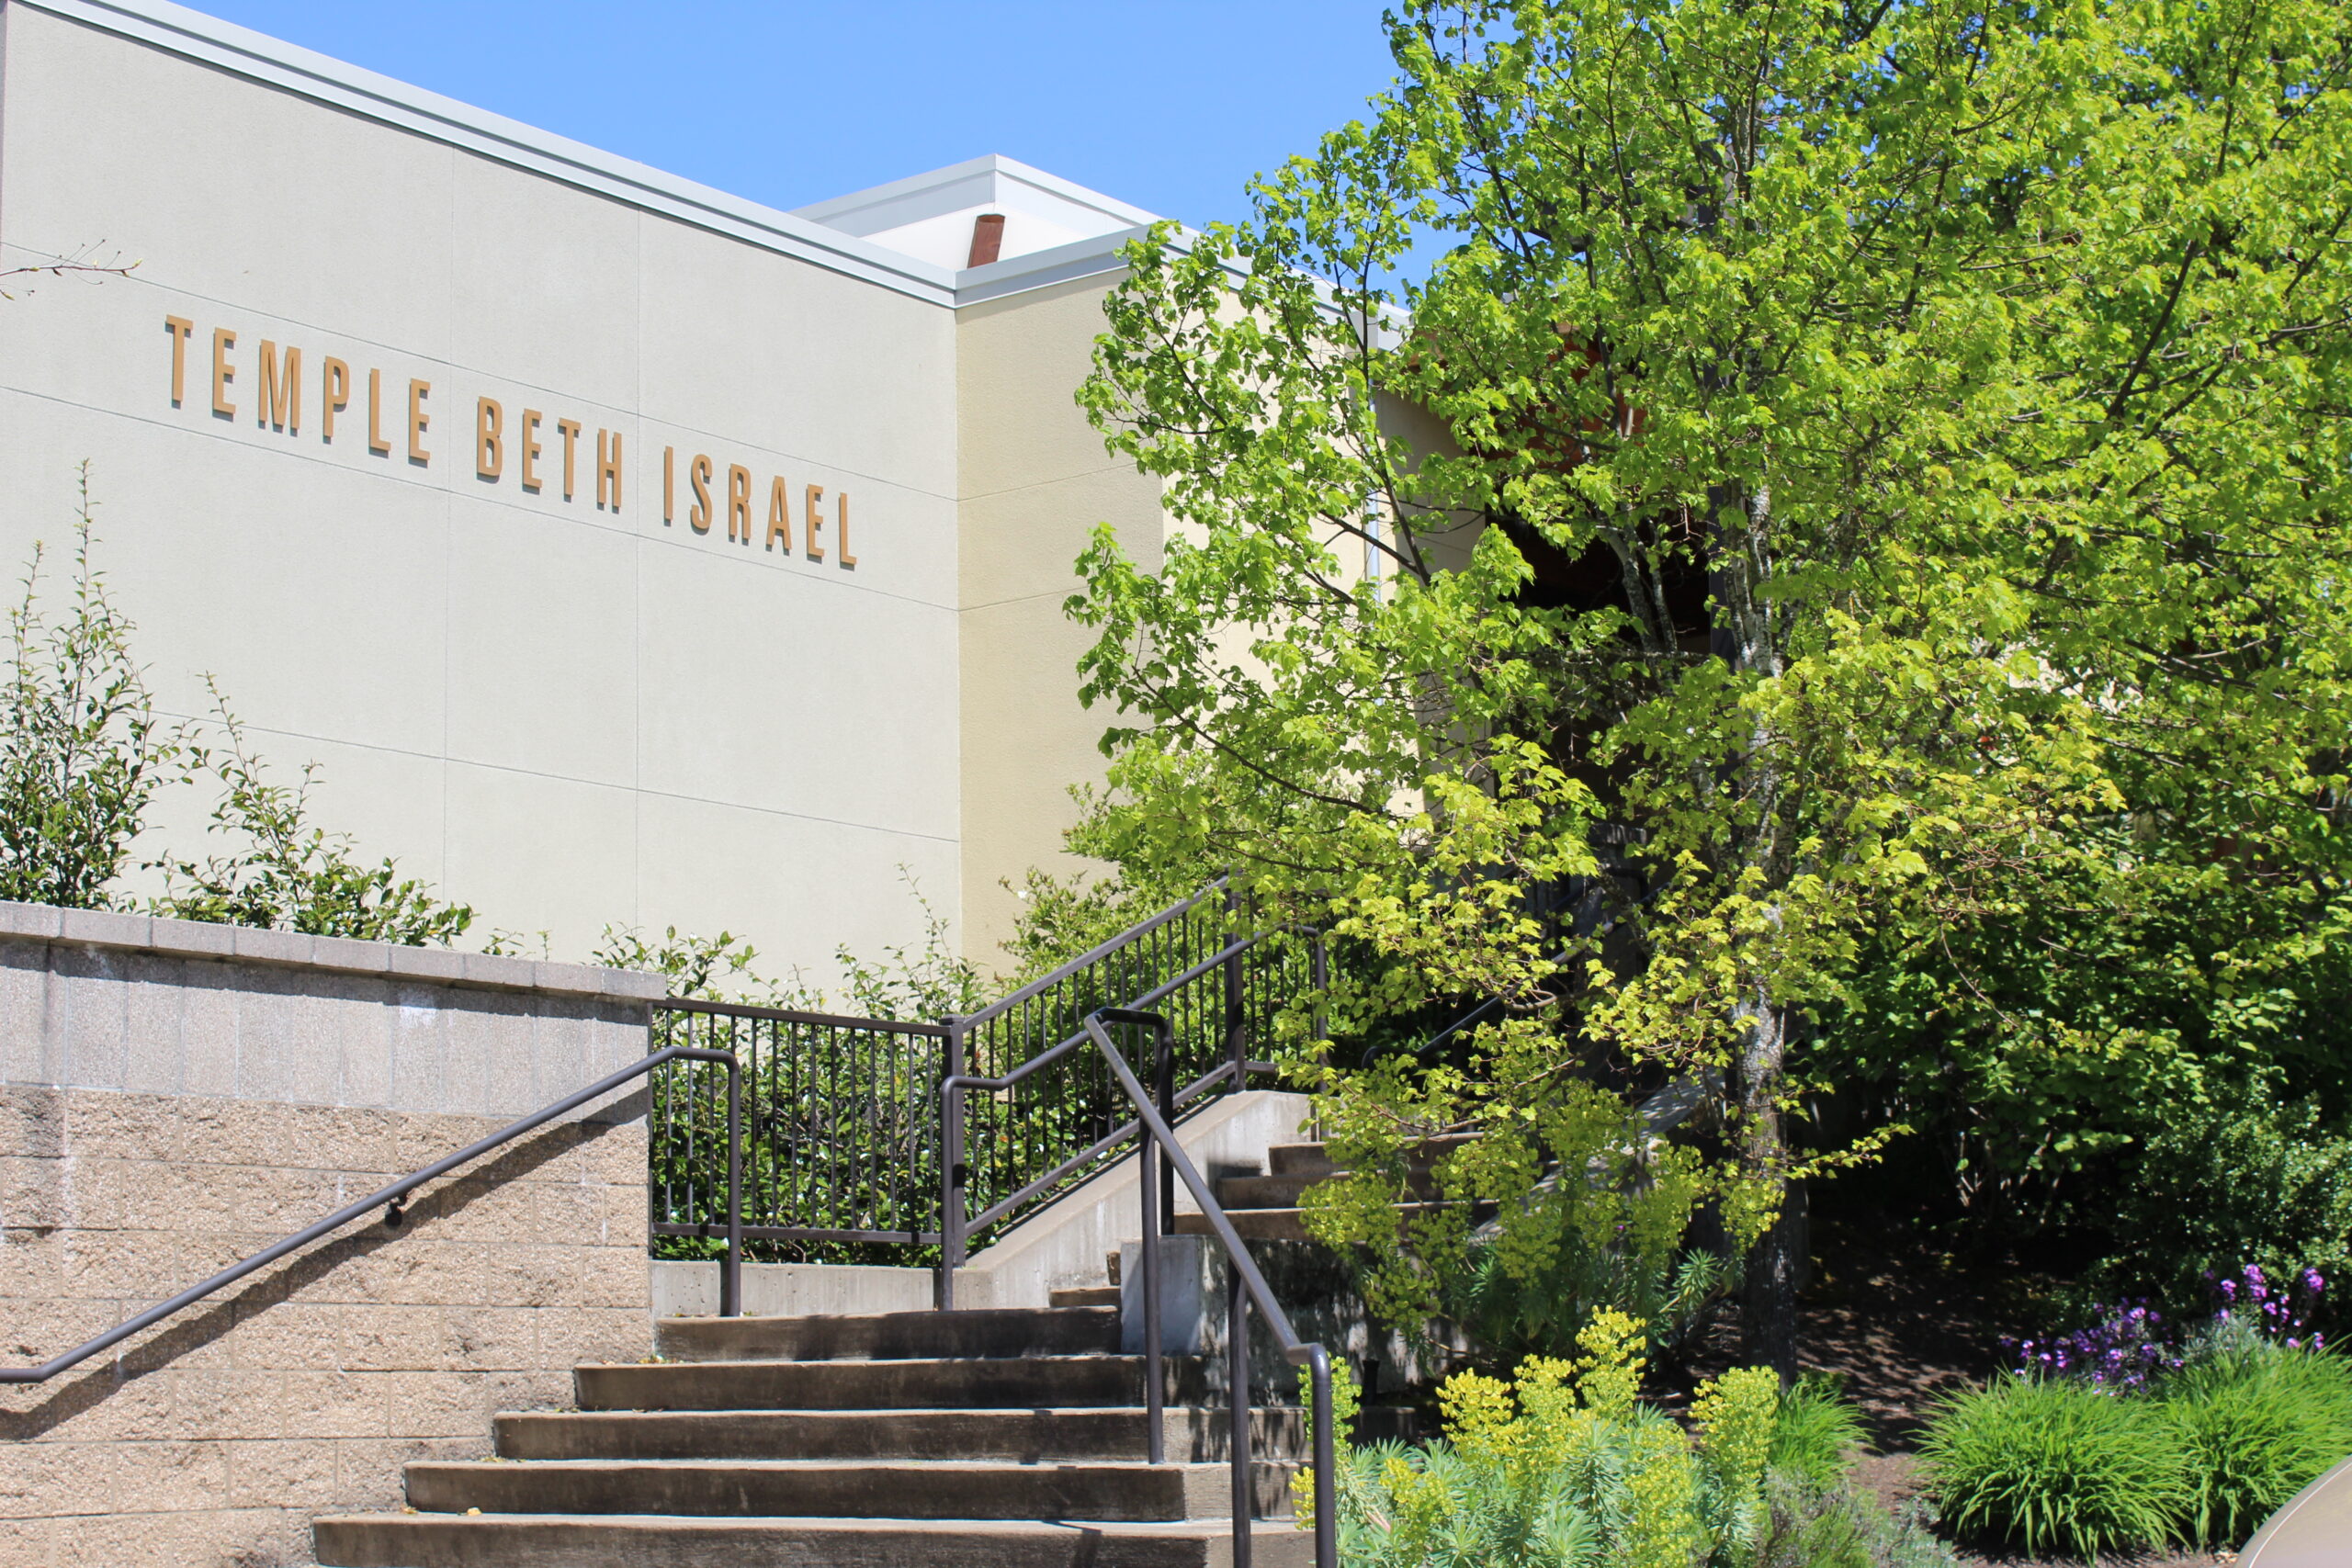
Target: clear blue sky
1171 105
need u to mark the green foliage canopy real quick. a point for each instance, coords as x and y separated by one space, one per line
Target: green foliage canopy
1860 472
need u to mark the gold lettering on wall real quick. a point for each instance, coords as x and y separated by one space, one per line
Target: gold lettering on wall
570 428
698 476
278 388
417 421
276 381
376 442
334 394
223 340
608 471
739 503
489 450
779 515
179 327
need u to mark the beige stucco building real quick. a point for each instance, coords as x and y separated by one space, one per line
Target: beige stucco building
622 551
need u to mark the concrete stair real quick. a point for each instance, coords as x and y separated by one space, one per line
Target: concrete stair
1266 1207
527 1541
1085 1296
1001 1439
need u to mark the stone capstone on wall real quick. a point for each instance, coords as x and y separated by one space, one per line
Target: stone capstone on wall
173 1099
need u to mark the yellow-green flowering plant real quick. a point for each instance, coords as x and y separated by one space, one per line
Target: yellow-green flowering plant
1564 1466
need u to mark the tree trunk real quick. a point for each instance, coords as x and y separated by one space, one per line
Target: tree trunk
1778 1265
1777 1271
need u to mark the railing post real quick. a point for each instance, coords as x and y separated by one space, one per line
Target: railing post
1237 1033
1320 970
1238 1399
1327 1447
951 1165
1318 960
1164 1081
1147 1151
730 1271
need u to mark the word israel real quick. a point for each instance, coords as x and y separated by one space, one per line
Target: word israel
277 382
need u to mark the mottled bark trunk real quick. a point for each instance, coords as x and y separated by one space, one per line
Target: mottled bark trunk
1778 1266
1746 637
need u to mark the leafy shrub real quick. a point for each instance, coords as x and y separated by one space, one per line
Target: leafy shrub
2257 1177
2255 1427
1836 1526
287 874
1590 1213
701 968
2056 1464
81 752
1564 1467
1815 1432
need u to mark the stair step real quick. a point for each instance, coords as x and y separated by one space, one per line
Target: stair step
945 1489
898 1384
1252 1224
1310 1160
995 1332
1284 1191
1016 1435
1085 1296
522 1541
1278 1224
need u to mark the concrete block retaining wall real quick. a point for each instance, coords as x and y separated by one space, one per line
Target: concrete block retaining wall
175 1097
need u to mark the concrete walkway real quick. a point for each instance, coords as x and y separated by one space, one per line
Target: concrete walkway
2313 1530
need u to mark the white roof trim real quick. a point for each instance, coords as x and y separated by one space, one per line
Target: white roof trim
981 182
272 62
942 190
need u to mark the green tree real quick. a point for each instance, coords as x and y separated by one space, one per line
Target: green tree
1859 470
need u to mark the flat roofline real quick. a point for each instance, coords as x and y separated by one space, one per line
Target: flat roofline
337 83
910 192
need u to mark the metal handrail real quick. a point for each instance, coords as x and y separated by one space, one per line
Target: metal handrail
730 1276
801 1015
956 1224
1092 956
1086 1156
1156 1149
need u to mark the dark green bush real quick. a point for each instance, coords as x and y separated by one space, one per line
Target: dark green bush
2057 1465
2256 1176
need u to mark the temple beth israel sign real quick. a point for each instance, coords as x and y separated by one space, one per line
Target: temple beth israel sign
536 449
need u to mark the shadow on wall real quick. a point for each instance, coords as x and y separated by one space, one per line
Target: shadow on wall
84 1389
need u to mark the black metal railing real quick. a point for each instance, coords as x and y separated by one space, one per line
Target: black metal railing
841 1140
1014 1147
857 1149
392 1199
1157 1151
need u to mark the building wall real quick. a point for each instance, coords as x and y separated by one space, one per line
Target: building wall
1035 481
567 714
168 1108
